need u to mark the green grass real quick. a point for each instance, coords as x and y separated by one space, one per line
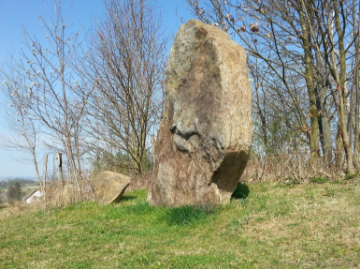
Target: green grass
319 180
188 215
349 177
265 226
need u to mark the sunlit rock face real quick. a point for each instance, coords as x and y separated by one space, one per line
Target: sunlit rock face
109 187
205 136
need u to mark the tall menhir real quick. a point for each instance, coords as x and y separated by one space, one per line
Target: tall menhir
204 139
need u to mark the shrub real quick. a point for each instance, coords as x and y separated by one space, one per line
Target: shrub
14 192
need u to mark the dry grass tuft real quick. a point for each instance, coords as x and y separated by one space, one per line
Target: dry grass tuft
289 166
140 182
62 195
19 208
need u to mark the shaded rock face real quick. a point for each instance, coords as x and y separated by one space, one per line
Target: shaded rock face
109 187
205 136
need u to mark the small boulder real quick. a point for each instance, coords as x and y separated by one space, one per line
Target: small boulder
109 187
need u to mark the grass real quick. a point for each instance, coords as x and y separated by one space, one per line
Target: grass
266 225
188 215
349 177
319 180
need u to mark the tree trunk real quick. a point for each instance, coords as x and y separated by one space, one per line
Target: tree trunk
339 150
306 38
356 83
356 129
340 90
324 126
44 181
153 147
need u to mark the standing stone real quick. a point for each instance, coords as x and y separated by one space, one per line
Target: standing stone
205 136
109 187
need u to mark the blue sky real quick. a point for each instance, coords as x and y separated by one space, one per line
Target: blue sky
17 13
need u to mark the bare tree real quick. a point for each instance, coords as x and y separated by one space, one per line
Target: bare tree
22 130
335 29
126 63
50 69
311 43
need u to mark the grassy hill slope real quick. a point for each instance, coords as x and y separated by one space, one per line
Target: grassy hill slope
266 226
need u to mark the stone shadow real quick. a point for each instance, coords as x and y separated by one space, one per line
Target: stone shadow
241 192
128 198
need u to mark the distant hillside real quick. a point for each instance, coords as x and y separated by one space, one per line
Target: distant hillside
5 179
24 183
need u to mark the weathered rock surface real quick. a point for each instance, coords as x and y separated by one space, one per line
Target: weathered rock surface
109 187
205 136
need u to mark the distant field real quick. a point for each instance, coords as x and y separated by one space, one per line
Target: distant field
272 226
23 188
30 188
